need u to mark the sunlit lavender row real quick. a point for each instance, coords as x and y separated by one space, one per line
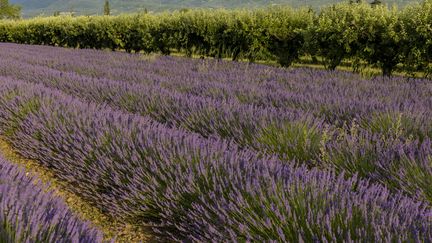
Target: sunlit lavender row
191 188
30 213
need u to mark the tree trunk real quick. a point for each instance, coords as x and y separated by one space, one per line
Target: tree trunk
387 70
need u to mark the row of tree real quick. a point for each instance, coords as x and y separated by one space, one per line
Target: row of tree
361 33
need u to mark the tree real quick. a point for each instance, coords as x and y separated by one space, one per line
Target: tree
285 33
9 11
107 10
333 35
381 38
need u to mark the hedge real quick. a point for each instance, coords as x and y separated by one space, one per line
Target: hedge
377 36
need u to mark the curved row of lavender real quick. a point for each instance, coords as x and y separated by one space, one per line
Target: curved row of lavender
191 188
30 213
335 97
342 129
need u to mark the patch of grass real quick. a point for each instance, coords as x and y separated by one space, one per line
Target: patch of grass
297 140
395 125
306 62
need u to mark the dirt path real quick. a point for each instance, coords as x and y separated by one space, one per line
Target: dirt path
109 226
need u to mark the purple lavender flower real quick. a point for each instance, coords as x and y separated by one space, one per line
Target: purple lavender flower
30 213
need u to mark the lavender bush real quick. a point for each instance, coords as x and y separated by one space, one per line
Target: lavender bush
30 213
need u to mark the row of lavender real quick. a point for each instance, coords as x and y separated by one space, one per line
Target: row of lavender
252 84
30 213
382 131
333 96
191 188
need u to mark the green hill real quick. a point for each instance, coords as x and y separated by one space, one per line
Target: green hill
92 7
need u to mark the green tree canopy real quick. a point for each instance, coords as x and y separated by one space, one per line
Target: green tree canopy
107 10
9 11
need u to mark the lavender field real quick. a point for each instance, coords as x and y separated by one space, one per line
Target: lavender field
215 151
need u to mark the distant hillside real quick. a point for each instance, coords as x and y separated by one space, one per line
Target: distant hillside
91 7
